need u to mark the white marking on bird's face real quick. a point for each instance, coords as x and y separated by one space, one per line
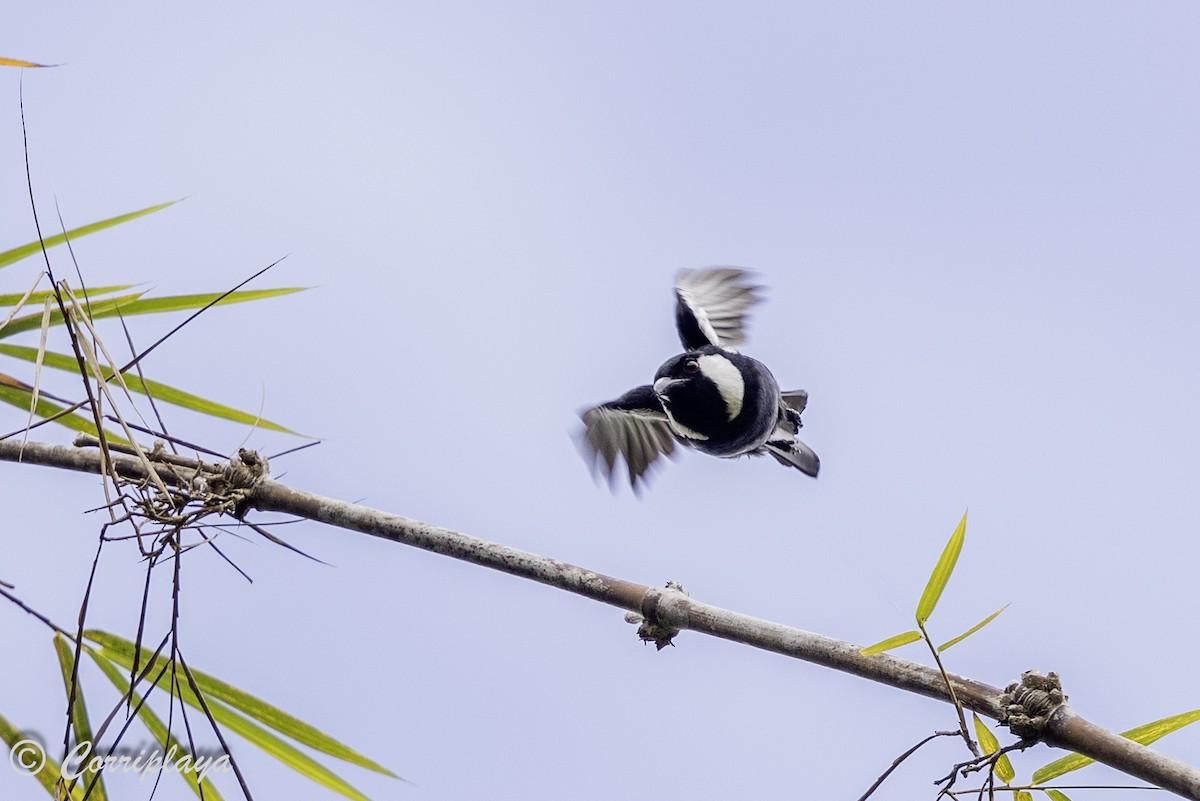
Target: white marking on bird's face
682 430
724 373
663 384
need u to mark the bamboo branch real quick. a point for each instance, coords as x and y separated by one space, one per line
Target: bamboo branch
667 608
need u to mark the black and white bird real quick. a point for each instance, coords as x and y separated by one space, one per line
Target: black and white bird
710 397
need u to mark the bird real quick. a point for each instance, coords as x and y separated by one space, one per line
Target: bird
710 398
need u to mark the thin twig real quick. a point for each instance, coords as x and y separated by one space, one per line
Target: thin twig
237 771
962 718
896 762
30 610
979 763
1043 787
173 440
75 343
138 358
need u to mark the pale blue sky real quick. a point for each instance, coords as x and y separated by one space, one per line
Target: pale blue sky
978 226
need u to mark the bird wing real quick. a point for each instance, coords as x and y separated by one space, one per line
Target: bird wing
633 426
712 306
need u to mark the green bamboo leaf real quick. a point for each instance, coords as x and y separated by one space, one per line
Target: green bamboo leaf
257 735
38 297
1149 732
7 257
21 396
232 721
190 302
1055 795
25 754
1023 795
134 303
1059 767
1144 734
120 650
155 725
990 745
987 740
79 716
159 391
941 572
968 632
891 642
106 307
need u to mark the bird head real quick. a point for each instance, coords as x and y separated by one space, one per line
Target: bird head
703 389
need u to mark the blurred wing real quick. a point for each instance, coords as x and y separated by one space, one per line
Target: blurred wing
712 305
634 427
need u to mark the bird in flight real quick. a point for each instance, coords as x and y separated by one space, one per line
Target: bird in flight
710 397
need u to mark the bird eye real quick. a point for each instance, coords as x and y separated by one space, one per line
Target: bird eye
691 367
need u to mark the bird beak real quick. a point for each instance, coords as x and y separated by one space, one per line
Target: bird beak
662 386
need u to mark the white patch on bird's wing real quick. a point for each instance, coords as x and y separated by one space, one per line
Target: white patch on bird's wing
724 373
701 316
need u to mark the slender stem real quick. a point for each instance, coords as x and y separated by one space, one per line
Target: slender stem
962 719
896 762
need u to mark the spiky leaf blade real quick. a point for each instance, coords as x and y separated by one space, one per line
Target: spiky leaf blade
105 307
941 572
252 732
15 62
1144 734
956 640
894 641
13 298
990 745
15 393
120 651
7 257
80 724
157 390
134 303
48 775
